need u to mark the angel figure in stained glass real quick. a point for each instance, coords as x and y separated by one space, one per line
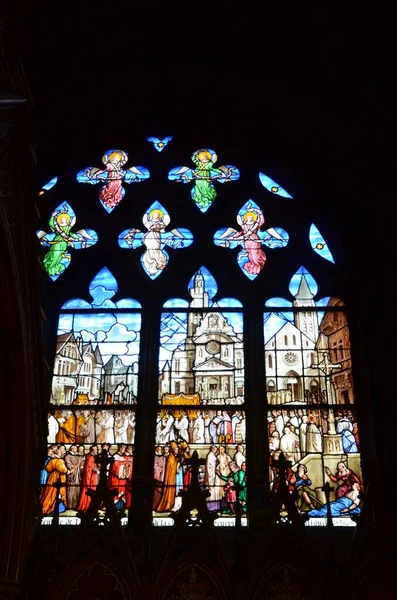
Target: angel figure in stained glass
252 259
155 259
204 175
61 237
113 175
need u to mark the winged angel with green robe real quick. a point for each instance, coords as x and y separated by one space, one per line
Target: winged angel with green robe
204 176
61 237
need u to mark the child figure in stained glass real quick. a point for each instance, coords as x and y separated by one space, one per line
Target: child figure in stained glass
230 495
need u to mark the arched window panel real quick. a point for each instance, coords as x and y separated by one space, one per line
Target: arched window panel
251 238
204 176
201 376
60 238
318 244
156 220
310 398
93 392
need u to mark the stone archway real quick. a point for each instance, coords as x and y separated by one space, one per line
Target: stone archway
193 582
97 582
285 583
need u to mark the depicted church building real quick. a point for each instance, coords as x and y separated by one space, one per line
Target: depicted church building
210 361
308 362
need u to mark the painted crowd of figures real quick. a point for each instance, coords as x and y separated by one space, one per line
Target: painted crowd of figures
223 475
72 472
90 426
205 427
304 438
298 432
75 473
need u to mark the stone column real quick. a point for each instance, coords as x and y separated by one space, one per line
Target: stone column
22 389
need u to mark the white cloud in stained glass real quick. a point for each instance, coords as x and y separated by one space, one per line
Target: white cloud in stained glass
176 303
277 302
229 303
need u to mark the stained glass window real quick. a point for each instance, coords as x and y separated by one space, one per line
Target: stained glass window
92 405
310 400
241 393
201 397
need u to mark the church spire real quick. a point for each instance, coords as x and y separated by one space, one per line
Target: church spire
200 299
306 321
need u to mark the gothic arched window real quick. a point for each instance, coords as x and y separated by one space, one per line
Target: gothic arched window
138 385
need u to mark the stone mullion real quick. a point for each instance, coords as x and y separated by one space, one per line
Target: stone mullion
146 418
257 452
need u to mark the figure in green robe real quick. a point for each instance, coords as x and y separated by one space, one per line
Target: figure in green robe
61 225
61 237
204 192
204 174
306 497
240 481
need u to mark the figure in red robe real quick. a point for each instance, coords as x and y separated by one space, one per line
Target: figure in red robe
346 476
129 455
90 478
118 475
187 469
250 224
